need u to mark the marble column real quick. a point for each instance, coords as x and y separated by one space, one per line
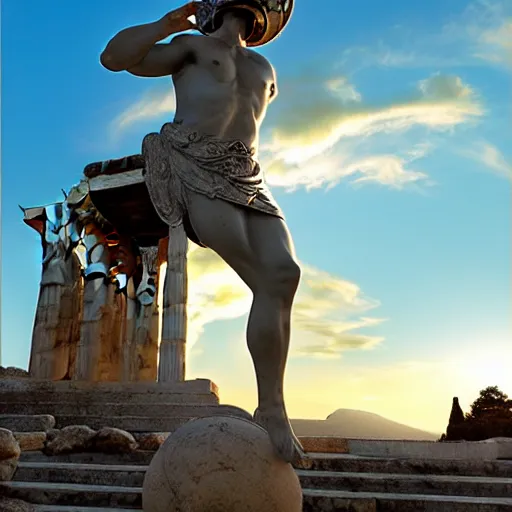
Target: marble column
171 365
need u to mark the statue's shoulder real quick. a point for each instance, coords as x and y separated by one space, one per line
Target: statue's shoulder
193 43
258 58
188 38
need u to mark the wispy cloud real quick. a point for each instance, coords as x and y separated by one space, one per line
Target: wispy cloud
480 35
441 101
391 170
487 27
341 88
317 143
328 314
152 105
491 157
496 44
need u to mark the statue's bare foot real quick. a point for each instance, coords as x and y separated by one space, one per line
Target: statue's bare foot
275 421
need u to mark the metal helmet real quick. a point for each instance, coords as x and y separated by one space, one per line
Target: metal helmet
271 16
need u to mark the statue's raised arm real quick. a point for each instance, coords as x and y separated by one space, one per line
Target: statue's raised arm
135 49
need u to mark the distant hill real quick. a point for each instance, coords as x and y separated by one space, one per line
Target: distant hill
360 424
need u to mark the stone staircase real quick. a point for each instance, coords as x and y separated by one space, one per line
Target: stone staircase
140 407
331 482
112 482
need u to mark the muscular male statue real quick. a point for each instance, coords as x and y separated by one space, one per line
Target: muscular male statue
206 159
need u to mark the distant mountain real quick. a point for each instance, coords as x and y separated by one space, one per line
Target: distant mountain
350 423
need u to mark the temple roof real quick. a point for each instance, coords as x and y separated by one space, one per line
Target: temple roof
118 191
116 166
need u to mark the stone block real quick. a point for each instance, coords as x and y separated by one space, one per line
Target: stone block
113 440
31 441
73 438
324 444
12 505
151 441
9 454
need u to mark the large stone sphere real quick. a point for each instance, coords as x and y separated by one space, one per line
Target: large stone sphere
220 464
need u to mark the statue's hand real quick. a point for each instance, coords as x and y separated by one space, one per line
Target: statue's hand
177 20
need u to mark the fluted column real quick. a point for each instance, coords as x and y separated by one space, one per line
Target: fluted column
171 365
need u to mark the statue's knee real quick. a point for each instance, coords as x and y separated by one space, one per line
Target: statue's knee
283 278
293 274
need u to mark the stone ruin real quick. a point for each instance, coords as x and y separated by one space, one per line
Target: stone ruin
106 262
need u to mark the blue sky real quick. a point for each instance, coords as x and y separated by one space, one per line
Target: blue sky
388 149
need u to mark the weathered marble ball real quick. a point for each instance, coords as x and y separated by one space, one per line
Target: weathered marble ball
220 464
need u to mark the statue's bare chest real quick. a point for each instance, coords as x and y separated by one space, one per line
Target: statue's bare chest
248 70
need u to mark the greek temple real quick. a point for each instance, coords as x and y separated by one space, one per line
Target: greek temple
113 290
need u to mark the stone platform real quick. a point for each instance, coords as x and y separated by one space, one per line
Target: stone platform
28 405
29 390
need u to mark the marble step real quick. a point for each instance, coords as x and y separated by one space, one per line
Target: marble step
31 391
85 398
151 410
443 485
360 463
66 508
90 474
133 476
337 501
319 462
44 493
27 422
315 500
137 458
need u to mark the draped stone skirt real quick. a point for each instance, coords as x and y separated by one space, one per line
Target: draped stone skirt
180 159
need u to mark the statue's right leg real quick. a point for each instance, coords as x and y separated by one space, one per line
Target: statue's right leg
258 247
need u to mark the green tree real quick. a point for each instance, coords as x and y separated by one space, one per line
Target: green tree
492 402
